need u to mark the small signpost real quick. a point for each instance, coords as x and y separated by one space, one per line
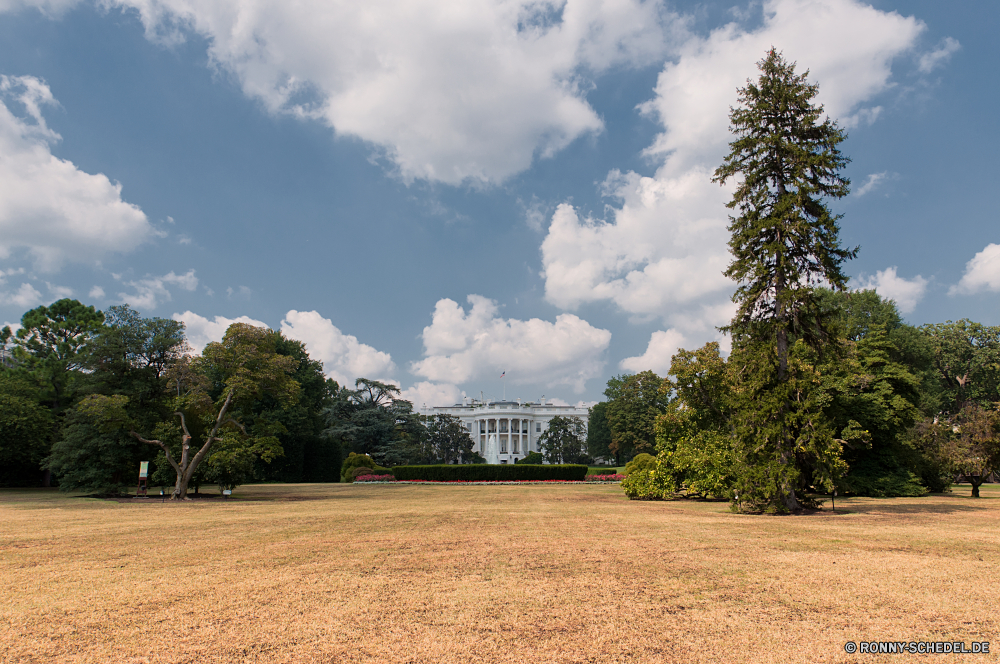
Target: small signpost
140 489
226 493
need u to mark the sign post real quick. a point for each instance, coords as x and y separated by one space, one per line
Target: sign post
140 489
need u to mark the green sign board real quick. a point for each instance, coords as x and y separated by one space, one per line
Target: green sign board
143 469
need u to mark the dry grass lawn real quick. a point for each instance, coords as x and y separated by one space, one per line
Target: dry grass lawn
570 573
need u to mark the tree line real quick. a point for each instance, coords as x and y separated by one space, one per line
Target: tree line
824 389
86 395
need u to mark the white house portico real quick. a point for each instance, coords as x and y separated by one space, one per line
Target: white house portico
503 431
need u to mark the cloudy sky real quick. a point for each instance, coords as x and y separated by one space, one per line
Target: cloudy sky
433 193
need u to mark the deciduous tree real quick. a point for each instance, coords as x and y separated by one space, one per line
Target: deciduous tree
563 440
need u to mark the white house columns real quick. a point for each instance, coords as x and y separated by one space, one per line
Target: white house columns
504 431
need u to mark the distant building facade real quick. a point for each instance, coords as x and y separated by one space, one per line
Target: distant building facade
504 431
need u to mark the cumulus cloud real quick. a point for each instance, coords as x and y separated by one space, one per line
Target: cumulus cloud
662 347
97 293
939 56
201 331
663 249
981 273
344 358
24 297
446 91
59 292
428 393
906 292
464 345
152 290
47 205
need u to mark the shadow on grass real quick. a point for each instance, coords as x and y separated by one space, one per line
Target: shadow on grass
893 506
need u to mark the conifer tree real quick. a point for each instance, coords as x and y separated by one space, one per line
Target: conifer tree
785 242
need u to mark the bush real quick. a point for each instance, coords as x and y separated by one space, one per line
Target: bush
358 472
532 458
354 461
648 485
491 473
640 462
870 478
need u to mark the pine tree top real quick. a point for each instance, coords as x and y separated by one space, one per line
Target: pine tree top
784 239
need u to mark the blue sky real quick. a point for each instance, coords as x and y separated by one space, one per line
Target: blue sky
434 193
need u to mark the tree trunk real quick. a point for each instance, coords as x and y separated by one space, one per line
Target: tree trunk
975 484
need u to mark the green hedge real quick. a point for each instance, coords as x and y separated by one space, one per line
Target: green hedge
490 472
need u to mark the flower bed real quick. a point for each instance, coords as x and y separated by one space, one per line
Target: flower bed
375 478
617 477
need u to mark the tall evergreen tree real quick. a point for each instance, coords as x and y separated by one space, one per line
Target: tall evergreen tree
785 242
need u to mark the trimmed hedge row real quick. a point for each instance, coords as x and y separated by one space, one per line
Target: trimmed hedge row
476 472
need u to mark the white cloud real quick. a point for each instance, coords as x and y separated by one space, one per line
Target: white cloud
52 8
201 331
447 91
344 358
662 347
875 181
906 292
152 290
97 293
460 346
432 394
242 293
59 292
25 296
47 205
663 251
939 56
981 273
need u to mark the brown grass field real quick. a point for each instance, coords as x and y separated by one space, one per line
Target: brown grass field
541 573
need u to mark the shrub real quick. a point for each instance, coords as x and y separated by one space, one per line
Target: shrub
648 485
358 472
490 473
532 458
354 461
640 462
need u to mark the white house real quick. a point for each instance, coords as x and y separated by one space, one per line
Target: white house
506 430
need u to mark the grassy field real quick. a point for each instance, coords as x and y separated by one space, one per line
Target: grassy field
571 573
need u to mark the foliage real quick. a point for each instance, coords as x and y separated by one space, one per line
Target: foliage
52 342
91 457
354 461
641 462
215 396
649 485
534 458
598 432
966 359
972 449
563 441
372 420
309 454
634 401
784 243
127 362
25 430
448 439
490 472
784 444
